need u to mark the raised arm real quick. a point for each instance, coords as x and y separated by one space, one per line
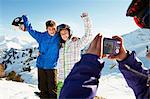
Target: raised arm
87 29
35 34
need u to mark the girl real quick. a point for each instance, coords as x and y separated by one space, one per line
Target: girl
70 50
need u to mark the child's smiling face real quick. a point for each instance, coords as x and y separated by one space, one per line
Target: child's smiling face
51 30
64 34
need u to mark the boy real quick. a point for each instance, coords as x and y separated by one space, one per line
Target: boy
46 62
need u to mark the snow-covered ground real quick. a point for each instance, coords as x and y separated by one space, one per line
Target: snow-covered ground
112 84
16 90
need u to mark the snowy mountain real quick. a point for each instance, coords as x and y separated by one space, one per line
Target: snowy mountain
19 42
133 41
18 53
137 41
19 59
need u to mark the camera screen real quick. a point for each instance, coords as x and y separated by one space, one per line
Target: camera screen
111 46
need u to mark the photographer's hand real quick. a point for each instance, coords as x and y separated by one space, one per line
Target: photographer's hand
122 52
96 46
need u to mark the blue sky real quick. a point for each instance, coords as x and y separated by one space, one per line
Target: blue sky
108 16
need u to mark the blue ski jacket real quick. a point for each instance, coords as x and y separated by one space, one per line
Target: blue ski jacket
48 46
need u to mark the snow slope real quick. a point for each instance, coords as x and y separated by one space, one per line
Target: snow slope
16 90
114 86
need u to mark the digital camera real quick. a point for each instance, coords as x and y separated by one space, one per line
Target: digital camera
111 46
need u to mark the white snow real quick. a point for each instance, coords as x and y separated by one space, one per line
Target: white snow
114 86
14 45
16 90
138 40
16 42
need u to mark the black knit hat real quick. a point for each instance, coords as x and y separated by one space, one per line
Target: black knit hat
17 21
